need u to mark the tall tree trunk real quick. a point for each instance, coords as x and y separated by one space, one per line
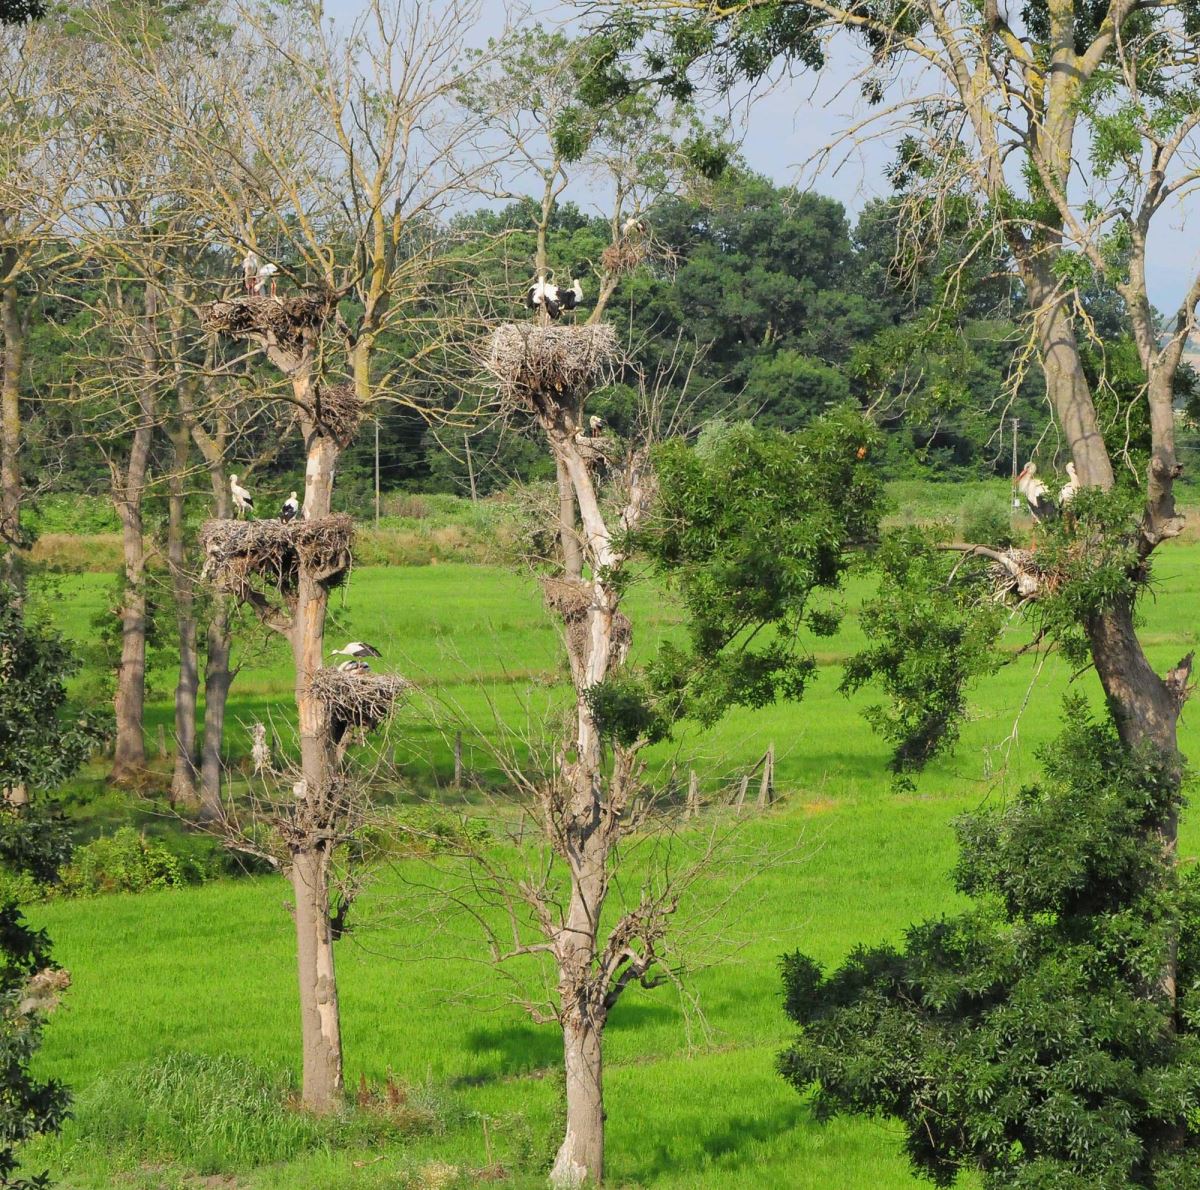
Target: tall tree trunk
217 679
183 781
1066 382
129 753
320 1022
319 1017
580 1158
10 433
567 531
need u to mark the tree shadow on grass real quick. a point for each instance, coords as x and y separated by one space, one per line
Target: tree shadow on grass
525 1050
727 1146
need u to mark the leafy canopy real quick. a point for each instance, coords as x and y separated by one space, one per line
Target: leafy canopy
1029 1038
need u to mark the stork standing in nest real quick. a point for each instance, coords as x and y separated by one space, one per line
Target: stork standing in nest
1067 494
243 502
291 506
1036 494
545 295
250 272
358 650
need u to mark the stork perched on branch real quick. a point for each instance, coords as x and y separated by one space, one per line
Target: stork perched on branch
1036 494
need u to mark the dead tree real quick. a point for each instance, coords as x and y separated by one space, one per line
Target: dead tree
285 573
586 802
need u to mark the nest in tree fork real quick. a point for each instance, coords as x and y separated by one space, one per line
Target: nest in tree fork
288 321
338 412
275 552
622 257
572 600
542 369
358 699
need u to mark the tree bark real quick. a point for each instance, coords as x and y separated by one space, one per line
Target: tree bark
129 753
580 1158
319 1016
183 781
217 680
567 532
1066 383
10 432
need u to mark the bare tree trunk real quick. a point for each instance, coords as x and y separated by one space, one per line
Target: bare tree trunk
217 680
567 532
129 753
10 431
580 1158
1066 383
320 1022
319 1017
183 781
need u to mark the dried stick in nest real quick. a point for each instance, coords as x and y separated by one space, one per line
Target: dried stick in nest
288 321
622 257
358 699
543 369
572 599
337 412
275 552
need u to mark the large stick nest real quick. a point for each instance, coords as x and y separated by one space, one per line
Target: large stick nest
338 412
538 368
1019 575
288 321
572 599
623 257
277 553
358 699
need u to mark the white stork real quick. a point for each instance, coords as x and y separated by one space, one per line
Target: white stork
357 649
354 667
266 275
570 298
242 500
250 271
544 295
1036 494
633 226
595 425
291 506
1067 494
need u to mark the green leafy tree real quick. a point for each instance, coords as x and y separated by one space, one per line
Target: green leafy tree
1031 1037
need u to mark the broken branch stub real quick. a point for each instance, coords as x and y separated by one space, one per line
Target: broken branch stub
546 370
276 553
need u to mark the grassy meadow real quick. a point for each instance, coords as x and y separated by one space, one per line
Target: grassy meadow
177 995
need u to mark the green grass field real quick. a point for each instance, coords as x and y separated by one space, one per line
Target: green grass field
691 1102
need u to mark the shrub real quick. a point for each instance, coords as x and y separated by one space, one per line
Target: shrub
125 862
985 520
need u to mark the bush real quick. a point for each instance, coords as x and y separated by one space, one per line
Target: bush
125 862
985 520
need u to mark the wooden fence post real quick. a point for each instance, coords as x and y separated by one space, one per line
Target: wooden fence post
162 741
458 761
766 788
693 796
741 793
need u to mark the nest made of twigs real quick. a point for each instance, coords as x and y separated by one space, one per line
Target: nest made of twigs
357 698
601 450
538 367
623 257
289 321
1019 576
275 552
572 599
338 412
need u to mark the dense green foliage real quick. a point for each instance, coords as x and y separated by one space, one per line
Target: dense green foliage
1030 1037
753 526
41 744
125 862
931 629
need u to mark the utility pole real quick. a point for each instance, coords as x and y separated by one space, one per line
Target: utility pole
377 473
